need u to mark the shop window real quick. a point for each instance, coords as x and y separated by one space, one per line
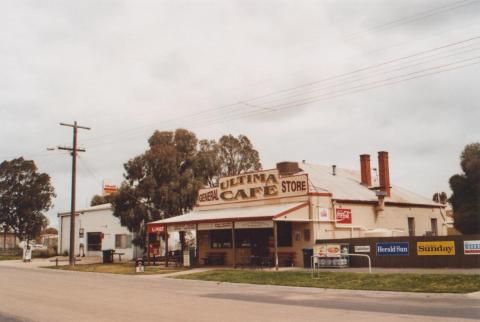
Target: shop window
306 234
243 238
94 242
123 241
221 238
284 234
411 226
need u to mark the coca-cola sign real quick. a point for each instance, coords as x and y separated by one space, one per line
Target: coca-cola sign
343 216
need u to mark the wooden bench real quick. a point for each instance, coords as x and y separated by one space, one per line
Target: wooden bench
217 258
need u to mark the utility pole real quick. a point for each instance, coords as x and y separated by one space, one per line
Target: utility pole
74 151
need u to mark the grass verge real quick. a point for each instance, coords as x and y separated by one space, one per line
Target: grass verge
9 257
120 268
429 283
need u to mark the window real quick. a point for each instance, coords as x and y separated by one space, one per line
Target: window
411 226
433 223
94 242
284 234
221 238
123 241
306 234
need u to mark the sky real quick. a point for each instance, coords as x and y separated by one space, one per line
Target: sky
321 81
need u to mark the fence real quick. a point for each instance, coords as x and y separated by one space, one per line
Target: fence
428 252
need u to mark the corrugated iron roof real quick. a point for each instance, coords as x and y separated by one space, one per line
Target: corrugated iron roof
346 185
268 211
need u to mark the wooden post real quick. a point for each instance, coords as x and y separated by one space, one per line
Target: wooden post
166 246
197 245
233 246
275 244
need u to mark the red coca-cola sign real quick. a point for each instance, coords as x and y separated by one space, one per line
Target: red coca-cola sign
343 216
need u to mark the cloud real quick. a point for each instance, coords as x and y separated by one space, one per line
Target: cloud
126 68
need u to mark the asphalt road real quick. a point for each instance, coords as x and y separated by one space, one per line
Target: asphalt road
49 295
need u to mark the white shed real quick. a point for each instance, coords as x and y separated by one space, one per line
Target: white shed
96 230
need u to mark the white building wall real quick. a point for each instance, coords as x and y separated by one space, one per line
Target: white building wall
364 218
101 221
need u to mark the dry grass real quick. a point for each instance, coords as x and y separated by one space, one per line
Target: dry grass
430 283
117 268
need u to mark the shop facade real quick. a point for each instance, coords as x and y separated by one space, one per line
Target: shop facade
270 217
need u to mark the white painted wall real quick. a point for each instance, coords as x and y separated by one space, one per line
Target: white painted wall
364 218
96 220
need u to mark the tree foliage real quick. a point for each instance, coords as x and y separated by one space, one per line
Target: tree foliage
237 155
164 180
465 199
24 195
159 183
100 200
51 231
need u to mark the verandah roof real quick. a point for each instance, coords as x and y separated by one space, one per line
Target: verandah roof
241 213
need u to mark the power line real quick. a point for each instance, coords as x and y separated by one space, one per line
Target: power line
413 18
433 10
420 55
352 90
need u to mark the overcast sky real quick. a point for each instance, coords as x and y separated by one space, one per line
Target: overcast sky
322 81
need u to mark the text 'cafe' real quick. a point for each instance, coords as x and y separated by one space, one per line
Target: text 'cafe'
269 217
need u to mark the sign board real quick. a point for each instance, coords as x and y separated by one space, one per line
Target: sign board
215 225
333 250
323 214
328 250
392 249
254 186
180 227
320 250
254 224
156 228
27 253
108 188
362 249
436 248
471 247
343 216
186 258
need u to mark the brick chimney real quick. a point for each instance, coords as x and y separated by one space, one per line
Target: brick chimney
366 173
384 172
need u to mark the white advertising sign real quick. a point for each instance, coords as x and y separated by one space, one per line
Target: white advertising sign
323 214
254 186
471 247
254 224
180 227
215 225
362 249
333 250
